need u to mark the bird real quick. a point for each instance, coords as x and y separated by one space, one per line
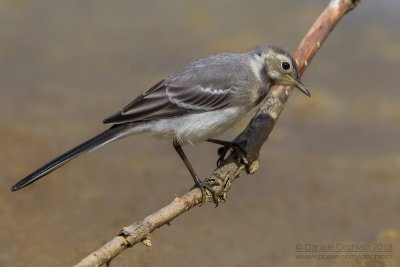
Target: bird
197 103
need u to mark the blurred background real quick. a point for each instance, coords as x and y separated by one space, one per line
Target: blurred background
329 172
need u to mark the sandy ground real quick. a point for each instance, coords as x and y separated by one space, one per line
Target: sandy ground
329 172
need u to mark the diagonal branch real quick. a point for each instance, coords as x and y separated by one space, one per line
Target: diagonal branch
256 133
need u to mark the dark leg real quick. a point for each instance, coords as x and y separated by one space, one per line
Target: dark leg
226 146
197 182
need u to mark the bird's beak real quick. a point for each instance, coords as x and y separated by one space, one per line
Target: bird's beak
299 85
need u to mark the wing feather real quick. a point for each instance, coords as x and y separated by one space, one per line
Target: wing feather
172 101
205 85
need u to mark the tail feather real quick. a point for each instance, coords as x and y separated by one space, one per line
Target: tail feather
105 137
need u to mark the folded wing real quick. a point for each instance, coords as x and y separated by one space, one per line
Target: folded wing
165 100
204 85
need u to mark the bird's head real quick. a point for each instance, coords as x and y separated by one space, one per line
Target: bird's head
281 67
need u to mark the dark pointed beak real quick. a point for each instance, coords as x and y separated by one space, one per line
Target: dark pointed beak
299 85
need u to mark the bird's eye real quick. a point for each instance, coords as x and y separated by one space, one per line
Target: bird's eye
285 65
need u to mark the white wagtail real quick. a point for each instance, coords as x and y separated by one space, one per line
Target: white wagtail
201 101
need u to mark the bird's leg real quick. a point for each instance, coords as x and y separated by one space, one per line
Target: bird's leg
226 146
197 182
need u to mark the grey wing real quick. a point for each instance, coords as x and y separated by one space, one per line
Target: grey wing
207 84
167 99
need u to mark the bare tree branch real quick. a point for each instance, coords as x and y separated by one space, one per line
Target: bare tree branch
256 133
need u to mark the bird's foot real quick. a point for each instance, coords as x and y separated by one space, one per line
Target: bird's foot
203 186
236 147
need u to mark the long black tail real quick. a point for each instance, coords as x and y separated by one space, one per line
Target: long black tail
105 137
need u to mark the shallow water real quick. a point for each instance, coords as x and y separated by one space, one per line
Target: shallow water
329 172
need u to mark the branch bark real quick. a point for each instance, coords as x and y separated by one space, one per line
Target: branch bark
256 133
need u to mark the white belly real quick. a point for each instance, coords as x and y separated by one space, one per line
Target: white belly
194 128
